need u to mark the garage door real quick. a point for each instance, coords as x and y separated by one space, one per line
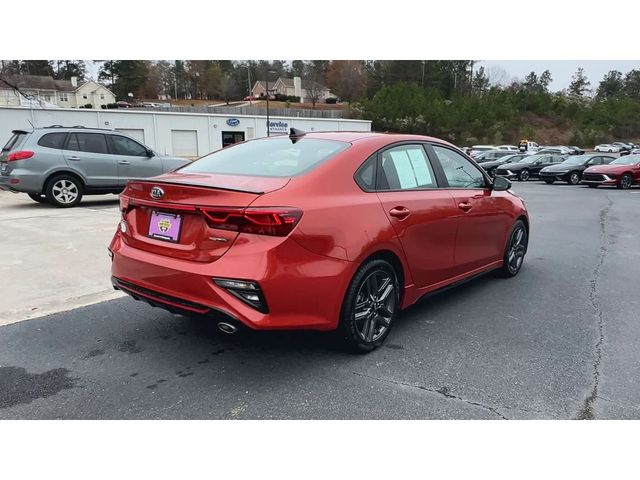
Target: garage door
135 133
185 143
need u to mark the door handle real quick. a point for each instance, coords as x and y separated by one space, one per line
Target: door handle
400 212
465 206
73 157
124 162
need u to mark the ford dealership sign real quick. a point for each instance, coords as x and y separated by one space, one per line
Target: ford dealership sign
233 122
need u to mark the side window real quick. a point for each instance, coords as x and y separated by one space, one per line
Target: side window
366 174
405 167
87 142
125 146
459 171
52 140
606 160
596 161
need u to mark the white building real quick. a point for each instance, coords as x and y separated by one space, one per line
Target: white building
188 135
38 90
293 87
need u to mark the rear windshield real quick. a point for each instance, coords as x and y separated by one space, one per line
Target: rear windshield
15 141
274 157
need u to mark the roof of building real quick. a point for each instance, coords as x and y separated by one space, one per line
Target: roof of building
38 82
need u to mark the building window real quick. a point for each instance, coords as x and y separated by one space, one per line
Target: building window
47 98
63 97
102 96
84 96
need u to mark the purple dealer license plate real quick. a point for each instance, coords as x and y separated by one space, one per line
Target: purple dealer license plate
165 226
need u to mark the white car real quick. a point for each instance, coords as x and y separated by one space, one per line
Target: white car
476 149
511 148
606 147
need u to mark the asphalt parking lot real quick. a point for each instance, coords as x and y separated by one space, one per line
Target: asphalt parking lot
557 342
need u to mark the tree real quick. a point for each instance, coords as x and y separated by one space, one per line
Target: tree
347 79
65 69
611 85
531 81
545 80
125 76
480 83
297 68
632 84
579 83
311 82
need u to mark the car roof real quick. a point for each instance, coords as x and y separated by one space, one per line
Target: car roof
58 128
351 137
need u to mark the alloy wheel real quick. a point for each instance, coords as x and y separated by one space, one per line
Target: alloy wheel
574 178
65 191
524 175
626 181
375 305
517 250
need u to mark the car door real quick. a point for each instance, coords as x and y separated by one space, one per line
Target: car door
481 212
134 159
88 154
423 216
540 164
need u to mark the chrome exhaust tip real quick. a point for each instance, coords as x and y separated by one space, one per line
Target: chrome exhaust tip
227 328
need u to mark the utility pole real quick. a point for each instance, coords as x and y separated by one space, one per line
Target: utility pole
422 82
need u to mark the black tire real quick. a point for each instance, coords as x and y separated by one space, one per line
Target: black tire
37 197
574 178
376 314
549 181
524 175
519 247
55 191
625 182
593 186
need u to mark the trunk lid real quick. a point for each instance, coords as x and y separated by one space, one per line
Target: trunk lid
171 214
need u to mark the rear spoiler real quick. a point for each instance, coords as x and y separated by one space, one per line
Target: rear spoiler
200 185
17 132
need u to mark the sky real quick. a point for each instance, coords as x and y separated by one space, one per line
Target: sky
561 70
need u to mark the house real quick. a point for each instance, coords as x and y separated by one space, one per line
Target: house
293 87
30 90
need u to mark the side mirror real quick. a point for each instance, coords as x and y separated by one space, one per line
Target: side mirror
150 153
500 184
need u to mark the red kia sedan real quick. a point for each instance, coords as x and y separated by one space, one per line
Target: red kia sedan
322 231
623 172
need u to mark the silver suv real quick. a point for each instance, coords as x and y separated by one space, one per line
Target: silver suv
59 165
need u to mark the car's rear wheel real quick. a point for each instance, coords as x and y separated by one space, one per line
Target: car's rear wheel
574 178
625 181
64 191
515 250
370 307
38 197
524 175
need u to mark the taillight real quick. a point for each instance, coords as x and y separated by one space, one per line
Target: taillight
20 155
274 221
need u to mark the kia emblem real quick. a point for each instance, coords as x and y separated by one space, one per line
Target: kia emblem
157 193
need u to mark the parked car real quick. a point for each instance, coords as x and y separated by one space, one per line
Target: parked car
61 164
490 166
123 104
511 148
571 169
490 155
623 147
372 223
606 147
528 167
249 98
577 150
623 172
555 151
478 149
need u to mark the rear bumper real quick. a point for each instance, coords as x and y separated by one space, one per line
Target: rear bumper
303 290
17 182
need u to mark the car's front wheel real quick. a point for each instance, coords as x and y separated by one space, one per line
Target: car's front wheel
625 181
524 175
370 307
38 197
64 191
574 178
515 250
